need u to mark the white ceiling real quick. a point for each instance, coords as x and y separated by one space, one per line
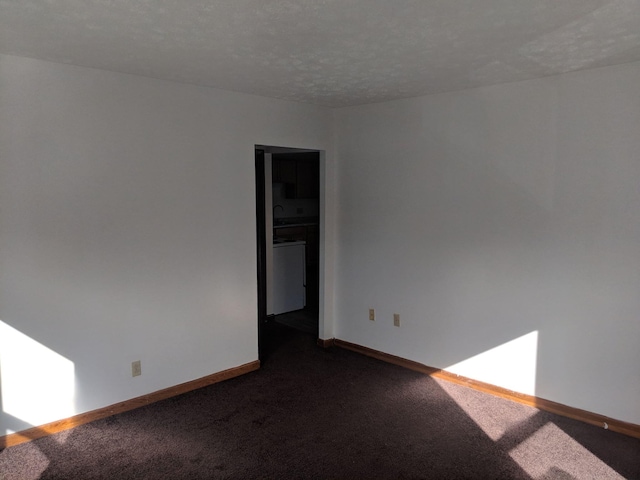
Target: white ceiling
327 52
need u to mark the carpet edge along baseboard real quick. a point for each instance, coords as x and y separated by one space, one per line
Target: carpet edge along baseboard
596 419
326 343
124 406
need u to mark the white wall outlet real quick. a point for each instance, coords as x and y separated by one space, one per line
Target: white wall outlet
136 368
396 319
372 314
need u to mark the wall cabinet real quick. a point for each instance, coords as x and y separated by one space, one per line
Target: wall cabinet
308 179
284 170
300 172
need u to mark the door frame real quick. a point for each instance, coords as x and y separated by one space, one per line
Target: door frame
261 232
261 224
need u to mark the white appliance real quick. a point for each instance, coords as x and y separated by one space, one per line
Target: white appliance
288 277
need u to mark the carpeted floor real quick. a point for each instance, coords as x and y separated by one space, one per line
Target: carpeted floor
313 413
305 320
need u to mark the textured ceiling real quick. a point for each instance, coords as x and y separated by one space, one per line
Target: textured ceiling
328 52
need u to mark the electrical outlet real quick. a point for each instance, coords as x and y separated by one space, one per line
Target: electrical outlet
136 368
372 314
396 319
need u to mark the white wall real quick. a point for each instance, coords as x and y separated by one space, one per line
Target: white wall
127 225
480 216
499 214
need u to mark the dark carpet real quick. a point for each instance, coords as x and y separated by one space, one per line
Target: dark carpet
314 413
305 320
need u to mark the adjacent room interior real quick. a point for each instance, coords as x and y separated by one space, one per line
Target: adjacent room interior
451 190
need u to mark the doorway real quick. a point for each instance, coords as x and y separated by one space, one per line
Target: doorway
288 243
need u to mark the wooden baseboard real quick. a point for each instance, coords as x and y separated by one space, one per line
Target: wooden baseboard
619 426
326 342
71 422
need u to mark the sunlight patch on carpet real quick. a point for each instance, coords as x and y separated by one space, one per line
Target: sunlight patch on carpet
495 422
31 470
542 457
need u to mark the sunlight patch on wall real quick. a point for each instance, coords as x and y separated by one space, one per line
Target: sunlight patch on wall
36 383
551 453
511 365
